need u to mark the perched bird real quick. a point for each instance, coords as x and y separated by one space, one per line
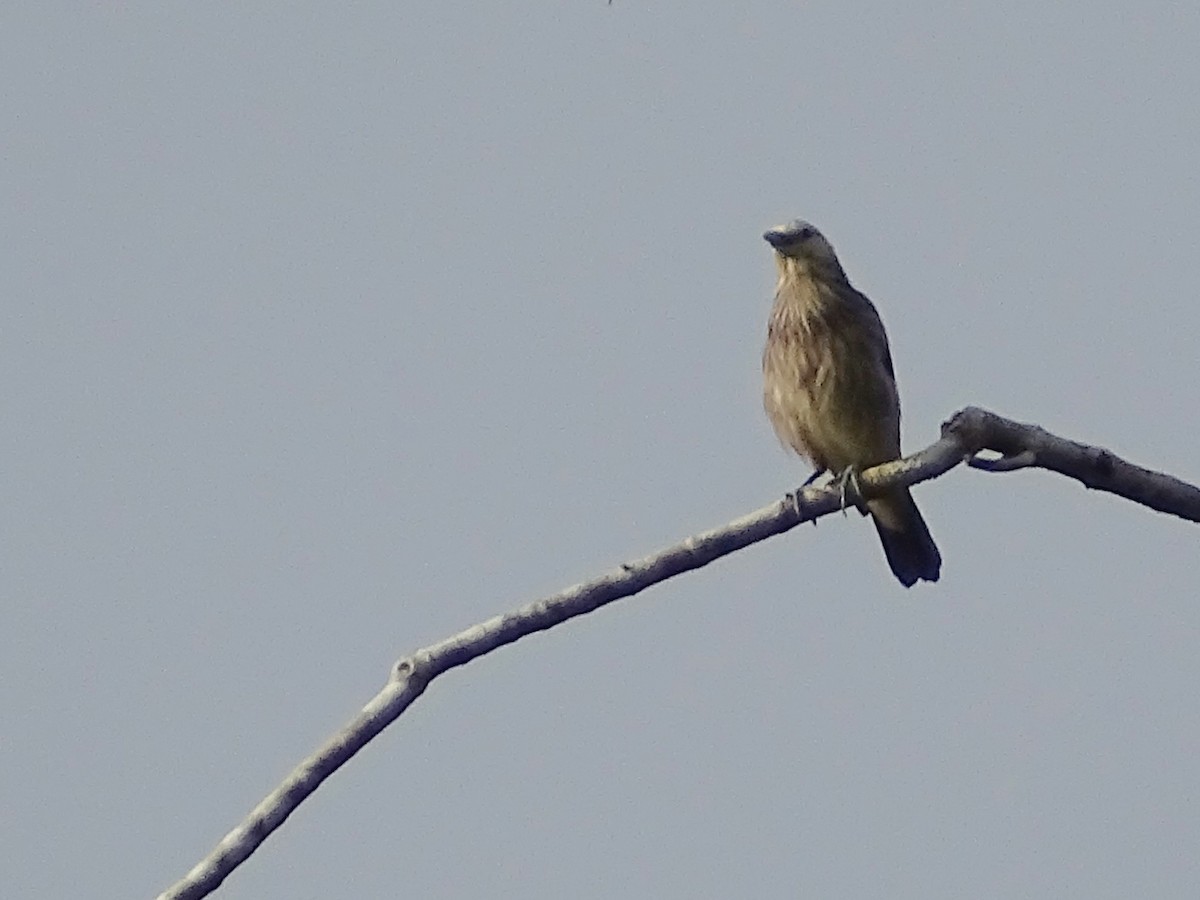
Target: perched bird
829 389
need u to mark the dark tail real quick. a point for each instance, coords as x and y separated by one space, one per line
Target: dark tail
906 540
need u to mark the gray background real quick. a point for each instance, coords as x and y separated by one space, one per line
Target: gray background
330 329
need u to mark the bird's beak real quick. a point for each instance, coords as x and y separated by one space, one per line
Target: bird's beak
775 237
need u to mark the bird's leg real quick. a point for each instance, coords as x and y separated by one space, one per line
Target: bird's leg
817 473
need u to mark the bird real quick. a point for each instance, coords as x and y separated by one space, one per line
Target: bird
829 388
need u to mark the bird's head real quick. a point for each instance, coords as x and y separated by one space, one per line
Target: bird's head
801 241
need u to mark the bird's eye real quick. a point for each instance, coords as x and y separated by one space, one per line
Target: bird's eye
805 234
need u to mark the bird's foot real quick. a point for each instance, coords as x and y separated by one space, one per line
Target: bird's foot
849 478
793 497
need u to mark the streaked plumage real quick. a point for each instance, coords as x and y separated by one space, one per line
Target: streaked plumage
829 389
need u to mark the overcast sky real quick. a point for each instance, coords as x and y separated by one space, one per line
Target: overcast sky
331 329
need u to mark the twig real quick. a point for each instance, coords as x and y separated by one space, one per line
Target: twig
1025 446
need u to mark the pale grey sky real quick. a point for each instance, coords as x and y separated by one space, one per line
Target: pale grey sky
329 330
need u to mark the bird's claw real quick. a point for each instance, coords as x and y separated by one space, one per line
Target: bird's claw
793 498
849 476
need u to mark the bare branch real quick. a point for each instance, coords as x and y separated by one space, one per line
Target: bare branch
963 437
1094 467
